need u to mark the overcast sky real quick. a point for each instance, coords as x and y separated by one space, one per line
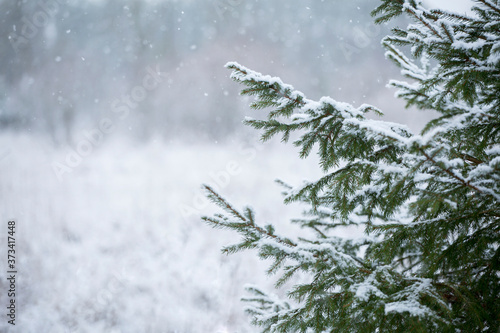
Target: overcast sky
459 6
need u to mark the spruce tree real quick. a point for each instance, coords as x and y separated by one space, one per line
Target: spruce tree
428 204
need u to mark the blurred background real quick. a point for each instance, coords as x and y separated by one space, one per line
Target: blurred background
113 113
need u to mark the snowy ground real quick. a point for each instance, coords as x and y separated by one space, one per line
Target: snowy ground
117 245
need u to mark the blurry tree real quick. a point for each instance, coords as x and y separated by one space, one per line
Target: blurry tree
90 53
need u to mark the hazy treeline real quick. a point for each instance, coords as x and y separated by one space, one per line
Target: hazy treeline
156 67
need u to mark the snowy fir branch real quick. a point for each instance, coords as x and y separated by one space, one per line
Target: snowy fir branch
426 206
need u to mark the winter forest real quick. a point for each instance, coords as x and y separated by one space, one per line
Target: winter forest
114 113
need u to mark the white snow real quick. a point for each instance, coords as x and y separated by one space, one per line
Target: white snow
109 247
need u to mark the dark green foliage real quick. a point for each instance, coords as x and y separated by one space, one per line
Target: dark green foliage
426 256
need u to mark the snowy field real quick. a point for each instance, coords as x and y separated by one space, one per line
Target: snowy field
117 244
